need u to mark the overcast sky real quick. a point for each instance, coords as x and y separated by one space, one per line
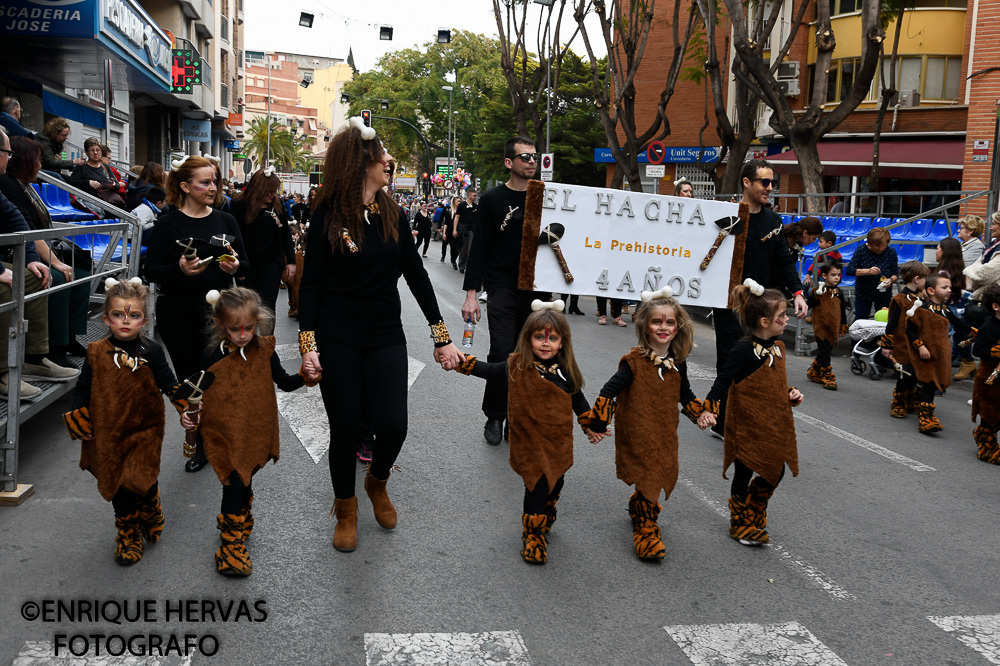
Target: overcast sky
272 25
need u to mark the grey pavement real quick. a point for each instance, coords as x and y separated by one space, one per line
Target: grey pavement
883 546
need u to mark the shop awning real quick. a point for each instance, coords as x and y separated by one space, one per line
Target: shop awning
940 159
67 108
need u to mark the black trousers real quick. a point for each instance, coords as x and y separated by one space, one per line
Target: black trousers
235 496
265 279
823 349
425 238
602 305
505 314
126 502
181 323
356 376
727 332
534 500
454 242
927 392
465 239
906 381
741 480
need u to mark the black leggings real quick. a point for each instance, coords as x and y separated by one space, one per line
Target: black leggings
534 500
616 307
126 502
235 496
927 392
356 376
823 349
741 480
425 238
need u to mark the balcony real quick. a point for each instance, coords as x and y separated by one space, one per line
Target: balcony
224 28
239 11
206 26
206 73
224 96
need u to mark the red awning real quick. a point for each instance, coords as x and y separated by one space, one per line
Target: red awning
939 159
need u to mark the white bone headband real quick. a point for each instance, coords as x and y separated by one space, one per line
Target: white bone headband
110 282
755 287
367 133
916 305
681 181
175 165
666 292
211 297
538 305
269 171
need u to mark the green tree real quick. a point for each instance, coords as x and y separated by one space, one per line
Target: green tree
288 151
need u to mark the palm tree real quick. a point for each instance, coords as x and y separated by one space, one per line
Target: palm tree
257 139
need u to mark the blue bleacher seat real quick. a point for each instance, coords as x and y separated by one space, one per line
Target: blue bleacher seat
97 242
918 229
59 212
843 226
848 250
847 281
898 232
786 219
810 250
938 231
860 226
829 222
909 252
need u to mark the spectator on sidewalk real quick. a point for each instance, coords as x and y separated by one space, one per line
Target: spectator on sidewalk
10 118
53 138
970 230
465 220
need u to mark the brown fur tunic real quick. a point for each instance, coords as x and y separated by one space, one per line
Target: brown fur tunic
932 329
647 418
541 426
900 344
826 316
240 415
128 435
986 397
760 429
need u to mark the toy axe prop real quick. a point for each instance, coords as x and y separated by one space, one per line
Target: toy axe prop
551 235
728 226
193 390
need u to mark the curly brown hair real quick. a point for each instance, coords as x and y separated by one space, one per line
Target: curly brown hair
347 160
259 192
175 195
54 127
683 342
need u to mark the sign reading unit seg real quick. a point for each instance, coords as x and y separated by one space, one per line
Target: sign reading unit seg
613 243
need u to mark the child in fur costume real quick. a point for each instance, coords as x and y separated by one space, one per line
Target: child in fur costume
829 321
760 430
930 354
986 391
650 378
239 420
118 413
894 344
544 385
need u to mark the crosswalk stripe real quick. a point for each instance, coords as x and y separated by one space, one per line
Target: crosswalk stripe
490 648
817 577
864 443
979 632
784 644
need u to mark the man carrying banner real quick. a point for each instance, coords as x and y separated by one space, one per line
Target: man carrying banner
767 260
496 249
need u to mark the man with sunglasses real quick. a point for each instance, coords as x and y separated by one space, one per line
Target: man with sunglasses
767 260
496 255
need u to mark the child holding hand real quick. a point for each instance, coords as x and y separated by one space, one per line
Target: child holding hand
829 322
650 378
545 385
894 344
760 430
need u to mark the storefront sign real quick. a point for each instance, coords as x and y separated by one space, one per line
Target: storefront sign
235 119
232 145
674 154
185 72
618 244
70 18
981 150
125 24
118 114
197 130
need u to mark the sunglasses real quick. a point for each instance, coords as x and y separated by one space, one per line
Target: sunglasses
527 157
764 182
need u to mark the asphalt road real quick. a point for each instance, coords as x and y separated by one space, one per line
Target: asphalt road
882 553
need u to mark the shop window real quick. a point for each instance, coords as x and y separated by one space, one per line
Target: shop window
846 6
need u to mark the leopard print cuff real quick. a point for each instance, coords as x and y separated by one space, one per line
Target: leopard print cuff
439 334
995 350
885 342
918 343
307 342
466 366
712 406
693 410
604 409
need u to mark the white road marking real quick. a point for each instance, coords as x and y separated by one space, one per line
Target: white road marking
481 649
864 443
785 644
34 653
304 413
288 352
699 371
817 577
979 632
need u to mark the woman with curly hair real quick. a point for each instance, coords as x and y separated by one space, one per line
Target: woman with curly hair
349 315
52 137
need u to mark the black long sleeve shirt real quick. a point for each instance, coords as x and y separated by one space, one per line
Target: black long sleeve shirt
264 239
623 378
768 260
813 301
282 379
740 364
987 339
163 255
353 297
496 240
149 350
498 371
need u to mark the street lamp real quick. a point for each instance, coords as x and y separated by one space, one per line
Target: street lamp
548 74
444 36
306 20
344 99
449 89
385 33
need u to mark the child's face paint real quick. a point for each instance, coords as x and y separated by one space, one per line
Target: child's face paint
241 328
125 318
545 343
202 186
776 325
662 329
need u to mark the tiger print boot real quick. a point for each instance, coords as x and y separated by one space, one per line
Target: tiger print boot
986 439
741 524
829 381
898 407
550 512
248 518
232 558
128 542
759 494
645 531
151 517
928 423
533 538
815 372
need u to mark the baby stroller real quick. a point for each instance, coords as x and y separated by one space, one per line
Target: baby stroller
866 355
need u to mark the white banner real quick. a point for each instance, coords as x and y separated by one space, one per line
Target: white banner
617 244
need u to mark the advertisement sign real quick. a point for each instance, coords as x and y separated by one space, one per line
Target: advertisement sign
197 130
232 145
127 25
612 243
47 19
672 154
235 119
406 181
185 71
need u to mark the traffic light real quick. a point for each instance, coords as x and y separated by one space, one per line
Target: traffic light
366 117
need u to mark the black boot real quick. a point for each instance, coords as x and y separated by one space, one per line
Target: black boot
493 432
574 305
198 460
